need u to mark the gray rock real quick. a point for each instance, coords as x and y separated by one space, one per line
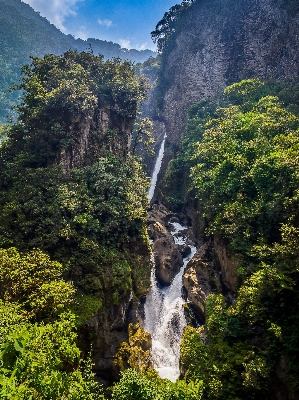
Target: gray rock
168 259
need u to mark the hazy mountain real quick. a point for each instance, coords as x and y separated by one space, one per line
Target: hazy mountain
25 33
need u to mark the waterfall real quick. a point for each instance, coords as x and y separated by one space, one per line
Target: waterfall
156 170
165 317
164 307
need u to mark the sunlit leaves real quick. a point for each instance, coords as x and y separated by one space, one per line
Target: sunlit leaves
167 25
148 386
245 178
34 360
35 282
247 157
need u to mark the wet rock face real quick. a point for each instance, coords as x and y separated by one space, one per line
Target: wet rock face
200 279
168 255
222 42
108 332
108 329
168 259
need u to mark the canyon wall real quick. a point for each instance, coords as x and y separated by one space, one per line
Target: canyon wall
221 42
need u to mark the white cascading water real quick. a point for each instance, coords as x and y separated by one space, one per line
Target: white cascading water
157 168
165 319
164 307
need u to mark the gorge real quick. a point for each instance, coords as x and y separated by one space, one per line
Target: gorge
164 314
214 45
185 287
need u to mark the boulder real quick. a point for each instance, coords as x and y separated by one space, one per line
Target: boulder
185 250
168 259
200 279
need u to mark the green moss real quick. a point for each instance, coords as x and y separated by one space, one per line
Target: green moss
86 307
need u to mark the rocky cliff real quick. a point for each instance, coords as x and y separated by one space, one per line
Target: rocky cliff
217 43
221 42
104 130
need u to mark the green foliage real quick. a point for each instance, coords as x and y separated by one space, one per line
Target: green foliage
3 133
148 386
176 184
232 365
143 139
25 34
77 218
167 25
89 217
135 353
246 170
85 306
35 282
60 92
35 359
242 91
244 174
86 217
176 181
149 68
11 316
133 386
39 360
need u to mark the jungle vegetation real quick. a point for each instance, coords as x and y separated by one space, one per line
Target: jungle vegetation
68 235
240 162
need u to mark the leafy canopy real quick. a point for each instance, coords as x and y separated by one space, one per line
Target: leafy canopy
243 159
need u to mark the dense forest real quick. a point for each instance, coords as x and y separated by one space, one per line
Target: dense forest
74 247
67 228
240 163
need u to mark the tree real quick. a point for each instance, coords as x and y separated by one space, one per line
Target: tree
80 214
143 139
245 169
167 25
35 282
35 359
245 178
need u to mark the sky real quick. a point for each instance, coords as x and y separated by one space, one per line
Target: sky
127 22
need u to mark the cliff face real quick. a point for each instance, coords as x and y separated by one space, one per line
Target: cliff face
106 130
222 42
216 44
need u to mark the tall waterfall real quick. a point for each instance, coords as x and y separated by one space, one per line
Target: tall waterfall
164 307
156 170
165 318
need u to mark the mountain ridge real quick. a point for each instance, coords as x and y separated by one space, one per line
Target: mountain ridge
24 33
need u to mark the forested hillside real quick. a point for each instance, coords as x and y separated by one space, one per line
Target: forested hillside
24 33
74 246
73 238
240 163
227 98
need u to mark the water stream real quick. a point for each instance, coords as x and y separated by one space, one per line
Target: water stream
164 307
157 168
165 320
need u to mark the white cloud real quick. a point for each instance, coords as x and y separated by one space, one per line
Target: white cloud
142 47
125 43
54 10
82 33
105 22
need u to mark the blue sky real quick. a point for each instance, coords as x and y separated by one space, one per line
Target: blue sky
127 22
